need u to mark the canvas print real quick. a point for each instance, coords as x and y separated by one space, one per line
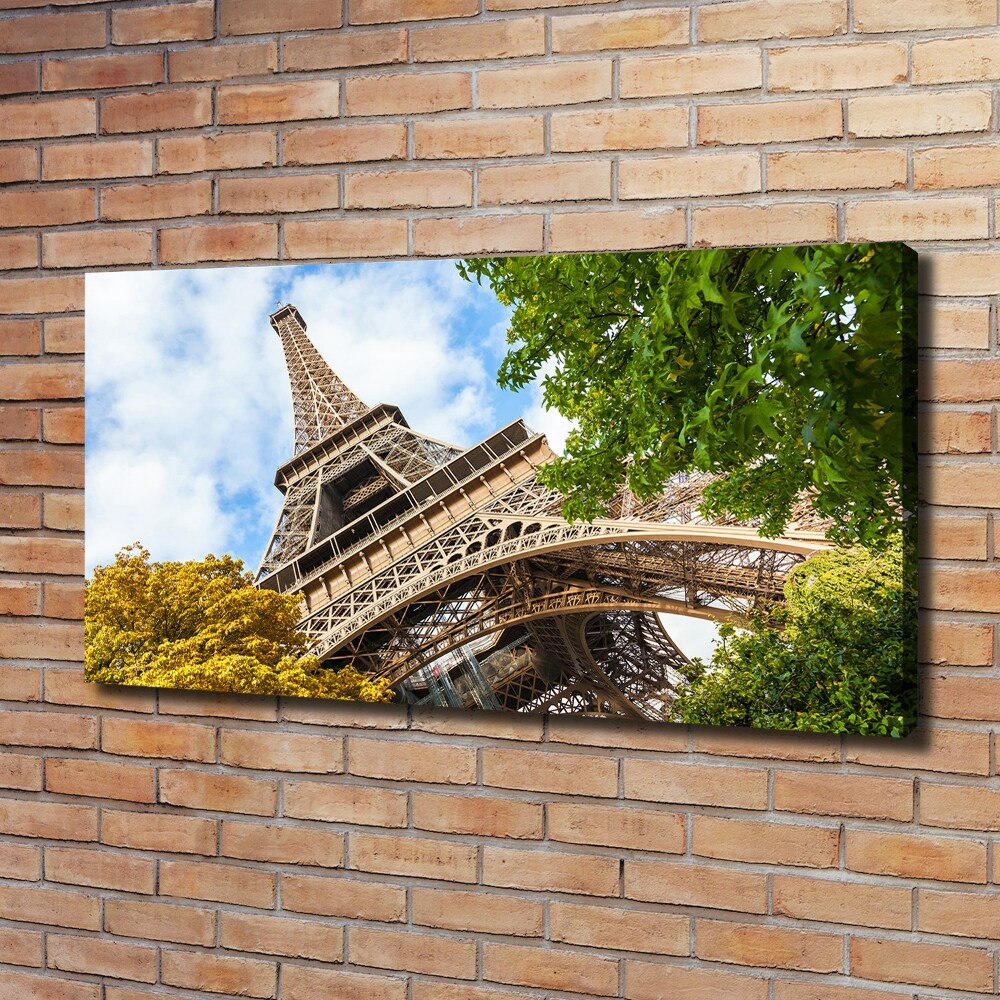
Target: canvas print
661 486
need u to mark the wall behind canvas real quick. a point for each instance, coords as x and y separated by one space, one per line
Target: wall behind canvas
179 846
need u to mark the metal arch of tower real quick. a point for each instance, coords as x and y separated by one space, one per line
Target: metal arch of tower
411 554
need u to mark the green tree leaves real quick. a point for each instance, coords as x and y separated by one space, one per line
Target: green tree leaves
783 369
838 656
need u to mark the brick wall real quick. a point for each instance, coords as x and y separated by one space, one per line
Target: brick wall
167 845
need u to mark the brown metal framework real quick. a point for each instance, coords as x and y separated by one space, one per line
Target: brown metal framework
452 573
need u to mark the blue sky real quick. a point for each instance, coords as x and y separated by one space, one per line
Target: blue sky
189 408
188 405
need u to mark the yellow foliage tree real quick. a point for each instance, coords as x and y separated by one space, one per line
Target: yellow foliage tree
203 625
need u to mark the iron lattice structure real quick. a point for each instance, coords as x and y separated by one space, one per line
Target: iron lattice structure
452 573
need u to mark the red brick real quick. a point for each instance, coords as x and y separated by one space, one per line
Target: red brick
646 981
619 928
346 238
537 86
218 792
412 761
45 467
550 968
18 163
276 751
64 600
928 750
19 78
548 771
220 883
962 807
955 537
381 11
419 857
345 803
916 15
827 794
177 22
47 729
18 423
924 219
550 871
149 831
67 686
64 335
221 241
284 194
919 114
967 914
660 781
922 963
486 817
157 111
21 336
156 201
30 987
696 884
471 235
20 510
173 740
253 17
545 182
626 30
226 151
282 936
224 62
621 128
349 898
836 67
243 977
753 224
478 912
99 779
41 295
771 121
413 952
78 160
37 207
102 869
97 248
278 102
768 947
469 138
20 771
159 921
910 855
37 906
942 167
733 22
48 32
765 843
21 861
486 40
18 251
345 143
408 93
836 170
137 69
20 947
20 683
282 844
957 643
306 983
372 48
839 902
717 72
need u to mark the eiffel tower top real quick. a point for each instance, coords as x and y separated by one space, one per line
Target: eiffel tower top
321 400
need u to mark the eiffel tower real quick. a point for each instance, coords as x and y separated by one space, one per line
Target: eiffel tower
452 573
